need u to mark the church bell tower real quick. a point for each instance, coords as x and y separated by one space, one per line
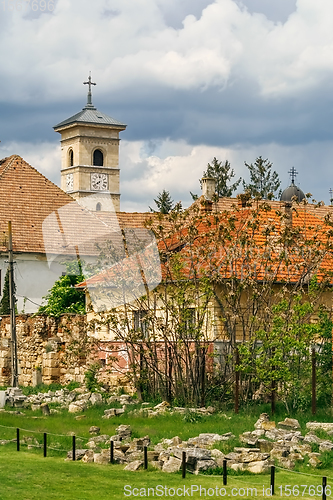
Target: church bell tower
90 154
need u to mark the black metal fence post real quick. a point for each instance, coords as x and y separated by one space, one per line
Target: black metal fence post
184 464
272 479
324 487
74 451
224 472
111 452
18 439
45 444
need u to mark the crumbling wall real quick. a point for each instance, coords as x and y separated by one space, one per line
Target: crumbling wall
55 347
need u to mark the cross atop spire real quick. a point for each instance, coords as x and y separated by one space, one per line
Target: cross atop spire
293 174
90 83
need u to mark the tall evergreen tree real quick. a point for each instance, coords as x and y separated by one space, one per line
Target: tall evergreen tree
263 182
164 203
5 303
222 173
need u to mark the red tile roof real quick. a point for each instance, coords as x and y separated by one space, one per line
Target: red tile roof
26 199
254 247
47 220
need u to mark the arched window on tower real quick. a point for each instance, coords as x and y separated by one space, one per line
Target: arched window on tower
71 158
98 207
98 158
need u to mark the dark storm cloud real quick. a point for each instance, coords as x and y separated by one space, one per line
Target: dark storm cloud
217 118
191 79
238 114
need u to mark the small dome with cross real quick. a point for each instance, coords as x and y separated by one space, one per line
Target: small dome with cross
292 191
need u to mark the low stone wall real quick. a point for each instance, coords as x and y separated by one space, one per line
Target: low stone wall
49 349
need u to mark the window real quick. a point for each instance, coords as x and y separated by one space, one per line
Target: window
98 158
98 207
140 321
70 158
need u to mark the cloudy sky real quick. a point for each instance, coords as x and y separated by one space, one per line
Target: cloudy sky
192 79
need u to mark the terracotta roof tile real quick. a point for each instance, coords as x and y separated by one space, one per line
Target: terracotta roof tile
26 199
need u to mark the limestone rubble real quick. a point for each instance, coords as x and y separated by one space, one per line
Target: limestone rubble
265 445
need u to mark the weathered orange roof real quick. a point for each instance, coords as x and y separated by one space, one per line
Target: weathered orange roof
26 199
47 220
208 250
254 247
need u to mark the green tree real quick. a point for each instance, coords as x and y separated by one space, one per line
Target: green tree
164 203
324 359
263 182
280 356
4 303
251 276
222 173
63 297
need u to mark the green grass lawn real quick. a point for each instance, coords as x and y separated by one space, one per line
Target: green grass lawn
27 475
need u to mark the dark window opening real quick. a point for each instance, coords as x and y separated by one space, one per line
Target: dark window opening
140 322
71 158
98 158
98 207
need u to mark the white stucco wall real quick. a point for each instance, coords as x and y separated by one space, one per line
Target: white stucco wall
33 279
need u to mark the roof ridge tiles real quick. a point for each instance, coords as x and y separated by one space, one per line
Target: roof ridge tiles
6 167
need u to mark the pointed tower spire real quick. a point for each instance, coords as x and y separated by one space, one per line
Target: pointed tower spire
89 97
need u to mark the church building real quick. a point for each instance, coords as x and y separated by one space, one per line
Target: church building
90 154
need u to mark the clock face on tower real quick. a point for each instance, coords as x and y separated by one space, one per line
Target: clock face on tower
99 182
69 182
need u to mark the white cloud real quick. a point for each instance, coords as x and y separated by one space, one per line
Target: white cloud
134 46
168 62
177 166
43 156
292 57
143 177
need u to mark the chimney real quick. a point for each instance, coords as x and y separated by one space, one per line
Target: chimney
288 214
208 187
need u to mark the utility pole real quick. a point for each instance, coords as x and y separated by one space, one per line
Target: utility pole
12 309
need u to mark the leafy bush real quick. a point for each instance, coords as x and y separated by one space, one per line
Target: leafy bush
63 297
73 385
90 377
